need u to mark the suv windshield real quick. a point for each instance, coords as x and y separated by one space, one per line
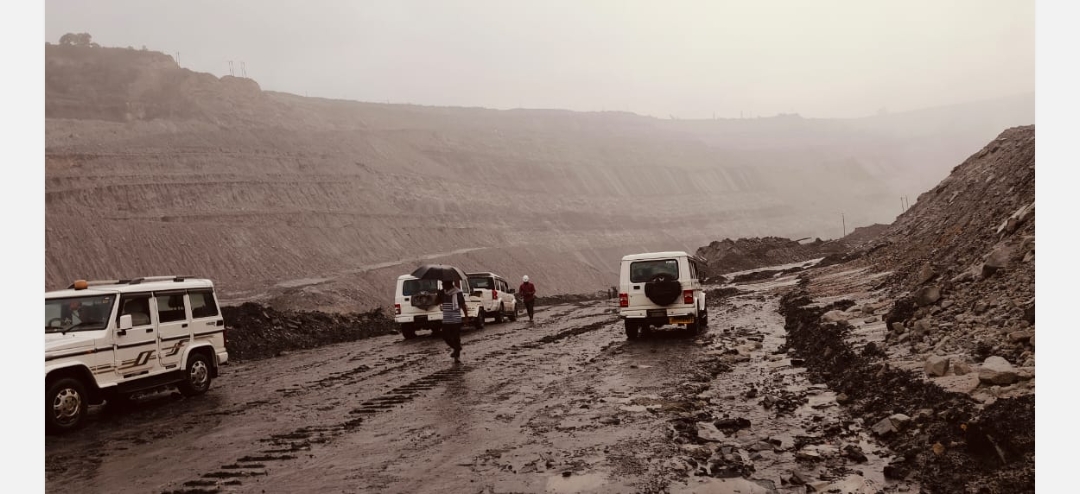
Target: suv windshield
89 313
412 287
481 283
642 271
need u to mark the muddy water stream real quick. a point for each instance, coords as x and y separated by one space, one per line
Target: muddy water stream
565 404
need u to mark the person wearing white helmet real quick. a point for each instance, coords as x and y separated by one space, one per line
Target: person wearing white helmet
528 294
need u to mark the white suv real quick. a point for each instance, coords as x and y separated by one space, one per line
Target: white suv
416 305
498 300
661 288
106 339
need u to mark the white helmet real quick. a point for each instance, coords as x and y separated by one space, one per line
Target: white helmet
525 278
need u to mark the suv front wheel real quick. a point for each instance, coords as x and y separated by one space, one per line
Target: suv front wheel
65 405
196 376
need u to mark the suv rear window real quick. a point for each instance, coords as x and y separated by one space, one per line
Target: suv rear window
412 287
202 303
481 283
170 307
642 271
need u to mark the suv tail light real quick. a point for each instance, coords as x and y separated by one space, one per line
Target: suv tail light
225 336
687 296
397 309
624 300
494 294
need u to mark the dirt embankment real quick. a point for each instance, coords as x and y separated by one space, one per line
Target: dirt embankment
942 438
256 331
947 373
962 259
727 256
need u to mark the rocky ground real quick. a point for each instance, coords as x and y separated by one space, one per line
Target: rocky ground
938 313
563 405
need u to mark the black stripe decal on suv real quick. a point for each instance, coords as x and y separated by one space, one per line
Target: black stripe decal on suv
210 332
151 342
69 354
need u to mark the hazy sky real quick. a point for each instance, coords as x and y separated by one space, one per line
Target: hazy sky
818 58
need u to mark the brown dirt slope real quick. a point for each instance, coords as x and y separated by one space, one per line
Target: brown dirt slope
155 169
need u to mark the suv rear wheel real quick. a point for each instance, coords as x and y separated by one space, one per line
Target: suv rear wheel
196 375
65 405
499 315
480 319
408 332
694 327
631 330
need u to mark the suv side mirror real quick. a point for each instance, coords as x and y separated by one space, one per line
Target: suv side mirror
125 323
511 291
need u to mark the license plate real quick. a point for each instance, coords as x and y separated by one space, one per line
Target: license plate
681 320
420 319
656 312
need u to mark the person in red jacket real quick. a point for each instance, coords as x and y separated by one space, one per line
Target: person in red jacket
528 294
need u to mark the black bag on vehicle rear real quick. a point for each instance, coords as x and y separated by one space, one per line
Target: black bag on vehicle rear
425 300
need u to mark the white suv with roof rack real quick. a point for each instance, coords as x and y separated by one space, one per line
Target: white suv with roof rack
416 305
498 300
660 288
107 339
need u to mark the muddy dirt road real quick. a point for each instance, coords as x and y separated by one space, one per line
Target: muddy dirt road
565 404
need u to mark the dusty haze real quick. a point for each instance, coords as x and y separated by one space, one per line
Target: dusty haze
681 59
318 202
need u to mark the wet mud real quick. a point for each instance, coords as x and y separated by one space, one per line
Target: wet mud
564 404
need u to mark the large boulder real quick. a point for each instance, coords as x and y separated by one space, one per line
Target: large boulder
926 273
708 432
996 370
891 424
927 295
998 259
834 316
936 365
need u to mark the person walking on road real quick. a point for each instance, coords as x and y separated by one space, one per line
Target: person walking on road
453 304
528 295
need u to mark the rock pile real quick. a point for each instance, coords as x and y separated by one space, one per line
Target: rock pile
255 331
963 258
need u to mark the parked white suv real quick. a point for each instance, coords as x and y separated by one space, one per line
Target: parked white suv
416 305
497 298
660 288
107 339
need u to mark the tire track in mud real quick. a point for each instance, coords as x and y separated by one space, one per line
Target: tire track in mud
288 446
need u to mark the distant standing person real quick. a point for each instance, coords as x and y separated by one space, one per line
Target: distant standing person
453 304
528 294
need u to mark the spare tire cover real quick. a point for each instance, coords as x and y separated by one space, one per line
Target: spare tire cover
663 289
424 300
